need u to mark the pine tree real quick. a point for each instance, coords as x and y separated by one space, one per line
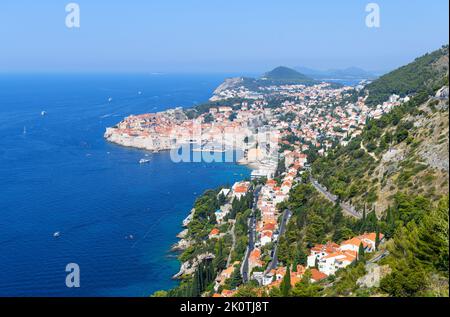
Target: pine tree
377 238
221 199
361 254
236 278
219 260
195 289
316 263
285 286
302 256
364 212
295 263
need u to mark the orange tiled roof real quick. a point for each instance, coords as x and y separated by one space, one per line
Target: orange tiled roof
255 254
240 189
214 232
316 275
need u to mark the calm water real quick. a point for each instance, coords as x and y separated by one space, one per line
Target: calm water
58 174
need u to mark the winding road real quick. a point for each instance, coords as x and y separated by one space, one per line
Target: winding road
251 236
349 210
274 263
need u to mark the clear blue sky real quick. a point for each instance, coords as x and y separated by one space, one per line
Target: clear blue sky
216 35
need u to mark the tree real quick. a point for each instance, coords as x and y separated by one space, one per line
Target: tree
221 199
246 291
405 280
160 294
377 238
433 246
305 288
195 288
235 278
219 259
361 253
285 285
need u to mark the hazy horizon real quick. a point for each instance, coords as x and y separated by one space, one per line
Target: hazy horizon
222 37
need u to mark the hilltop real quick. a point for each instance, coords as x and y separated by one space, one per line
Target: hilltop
283 74
254 87
427 72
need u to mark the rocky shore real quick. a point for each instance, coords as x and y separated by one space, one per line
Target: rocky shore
189 267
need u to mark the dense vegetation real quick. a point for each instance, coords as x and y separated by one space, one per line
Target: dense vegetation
348 171
316 220
425 71
286 75
419 250
203 220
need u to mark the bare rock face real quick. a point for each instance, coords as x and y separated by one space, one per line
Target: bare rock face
375 274
182 234
181 245
189 267
442 93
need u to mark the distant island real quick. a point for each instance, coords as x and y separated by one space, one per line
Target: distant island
285 75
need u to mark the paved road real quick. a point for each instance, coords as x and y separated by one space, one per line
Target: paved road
350 210
274 263
384 254
251 235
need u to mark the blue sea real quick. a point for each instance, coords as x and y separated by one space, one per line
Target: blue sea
58 174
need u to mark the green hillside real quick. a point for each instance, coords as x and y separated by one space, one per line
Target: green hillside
397 172
283 74
424 73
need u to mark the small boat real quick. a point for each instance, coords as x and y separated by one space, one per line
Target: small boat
143 161
57 234
43 113
110 99
139 92
24 130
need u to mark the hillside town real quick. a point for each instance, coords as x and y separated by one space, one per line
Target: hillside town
305 117
315 116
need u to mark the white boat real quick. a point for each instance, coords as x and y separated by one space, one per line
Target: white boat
56 234
139 92
110 99
43 113
143 161
24 130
